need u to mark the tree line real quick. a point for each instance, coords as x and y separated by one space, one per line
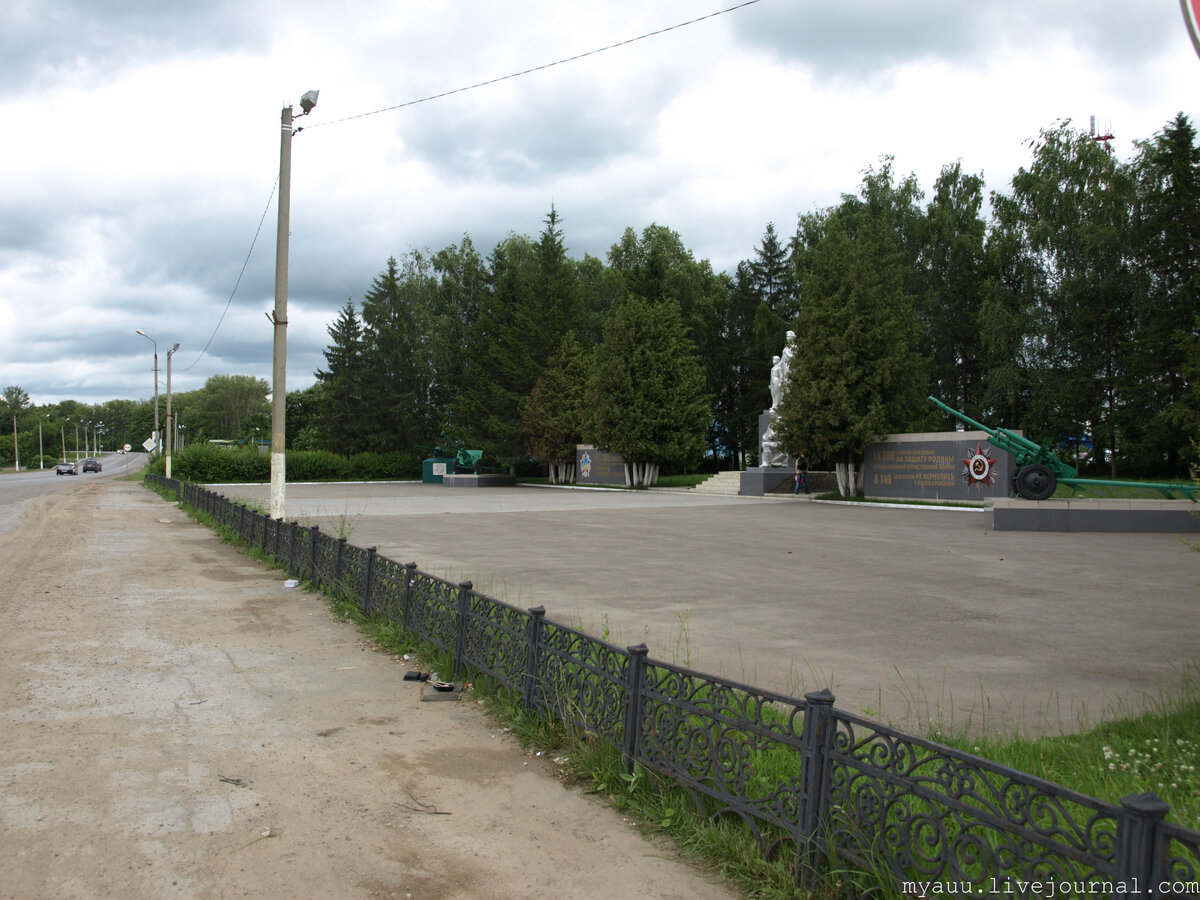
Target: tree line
227 407
1065 306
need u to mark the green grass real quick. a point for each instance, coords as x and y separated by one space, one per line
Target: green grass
1110 492
1157 750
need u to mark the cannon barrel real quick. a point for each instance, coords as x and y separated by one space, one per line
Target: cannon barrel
961 416
1001 437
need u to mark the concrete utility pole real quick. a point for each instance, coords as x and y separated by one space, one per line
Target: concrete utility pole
155 343
279 319
169 354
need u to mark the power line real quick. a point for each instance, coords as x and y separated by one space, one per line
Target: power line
544 66
461 90
249 253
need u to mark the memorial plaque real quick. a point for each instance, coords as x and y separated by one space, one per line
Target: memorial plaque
594 466
951 465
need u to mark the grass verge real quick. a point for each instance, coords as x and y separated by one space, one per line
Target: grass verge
1157 750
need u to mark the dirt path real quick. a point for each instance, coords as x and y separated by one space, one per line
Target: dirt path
177 724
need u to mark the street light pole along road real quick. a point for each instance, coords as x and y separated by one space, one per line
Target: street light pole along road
279 319
155 343
168 457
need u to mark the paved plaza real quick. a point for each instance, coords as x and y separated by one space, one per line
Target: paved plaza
917 616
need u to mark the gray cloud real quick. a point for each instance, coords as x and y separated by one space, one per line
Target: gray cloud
45 40
135 244
860 41
569 126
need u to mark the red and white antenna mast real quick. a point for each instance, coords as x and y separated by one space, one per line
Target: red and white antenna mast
1106 138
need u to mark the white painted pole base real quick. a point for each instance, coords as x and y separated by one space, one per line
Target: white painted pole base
278 480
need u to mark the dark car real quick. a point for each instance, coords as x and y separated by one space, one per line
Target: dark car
66 468
91 465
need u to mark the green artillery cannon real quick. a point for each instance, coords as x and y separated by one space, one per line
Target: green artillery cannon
460 460
469 459
1039 469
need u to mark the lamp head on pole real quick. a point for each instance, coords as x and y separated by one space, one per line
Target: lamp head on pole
307 101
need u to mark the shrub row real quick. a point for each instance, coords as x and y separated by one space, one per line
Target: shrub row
205 464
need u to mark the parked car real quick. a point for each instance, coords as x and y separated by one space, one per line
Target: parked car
66 468
91 465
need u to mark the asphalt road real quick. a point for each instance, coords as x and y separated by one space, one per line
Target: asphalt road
922 617
16 488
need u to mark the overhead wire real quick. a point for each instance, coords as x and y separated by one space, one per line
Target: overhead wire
542 67
450 93
237 283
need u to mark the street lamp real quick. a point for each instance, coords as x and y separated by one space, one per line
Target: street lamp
155 343
170 353
279 357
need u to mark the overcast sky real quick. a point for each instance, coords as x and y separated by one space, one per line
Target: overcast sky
141 144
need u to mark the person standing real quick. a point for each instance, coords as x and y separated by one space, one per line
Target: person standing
801 475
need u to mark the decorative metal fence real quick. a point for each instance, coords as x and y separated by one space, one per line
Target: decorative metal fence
806 778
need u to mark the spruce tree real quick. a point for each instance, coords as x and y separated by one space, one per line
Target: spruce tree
647 390
340 422
856 373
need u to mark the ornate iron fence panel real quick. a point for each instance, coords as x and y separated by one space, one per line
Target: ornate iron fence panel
735 748
258 530
327 554
283 544
433 609
495 639
387 588
582 680
928 813
302 539
354 572
1181 852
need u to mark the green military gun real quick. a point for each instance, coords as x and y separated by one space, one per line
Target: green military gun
469 460
1039 469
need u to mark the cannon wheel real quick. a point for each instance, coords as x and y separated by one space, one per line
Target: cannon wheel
1036 482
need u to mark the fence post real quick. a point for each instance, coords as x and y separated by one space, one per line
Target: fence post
1140 848
312 552
537 617
460 637
292 532
262 541
410 575
337 563
278 531
634 678
367 607
817 739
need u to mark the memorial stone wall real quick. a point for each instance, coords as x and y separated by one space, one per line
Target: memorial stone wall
944 465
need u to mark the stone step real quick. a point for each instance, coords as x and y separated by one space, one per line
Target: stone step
721 483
